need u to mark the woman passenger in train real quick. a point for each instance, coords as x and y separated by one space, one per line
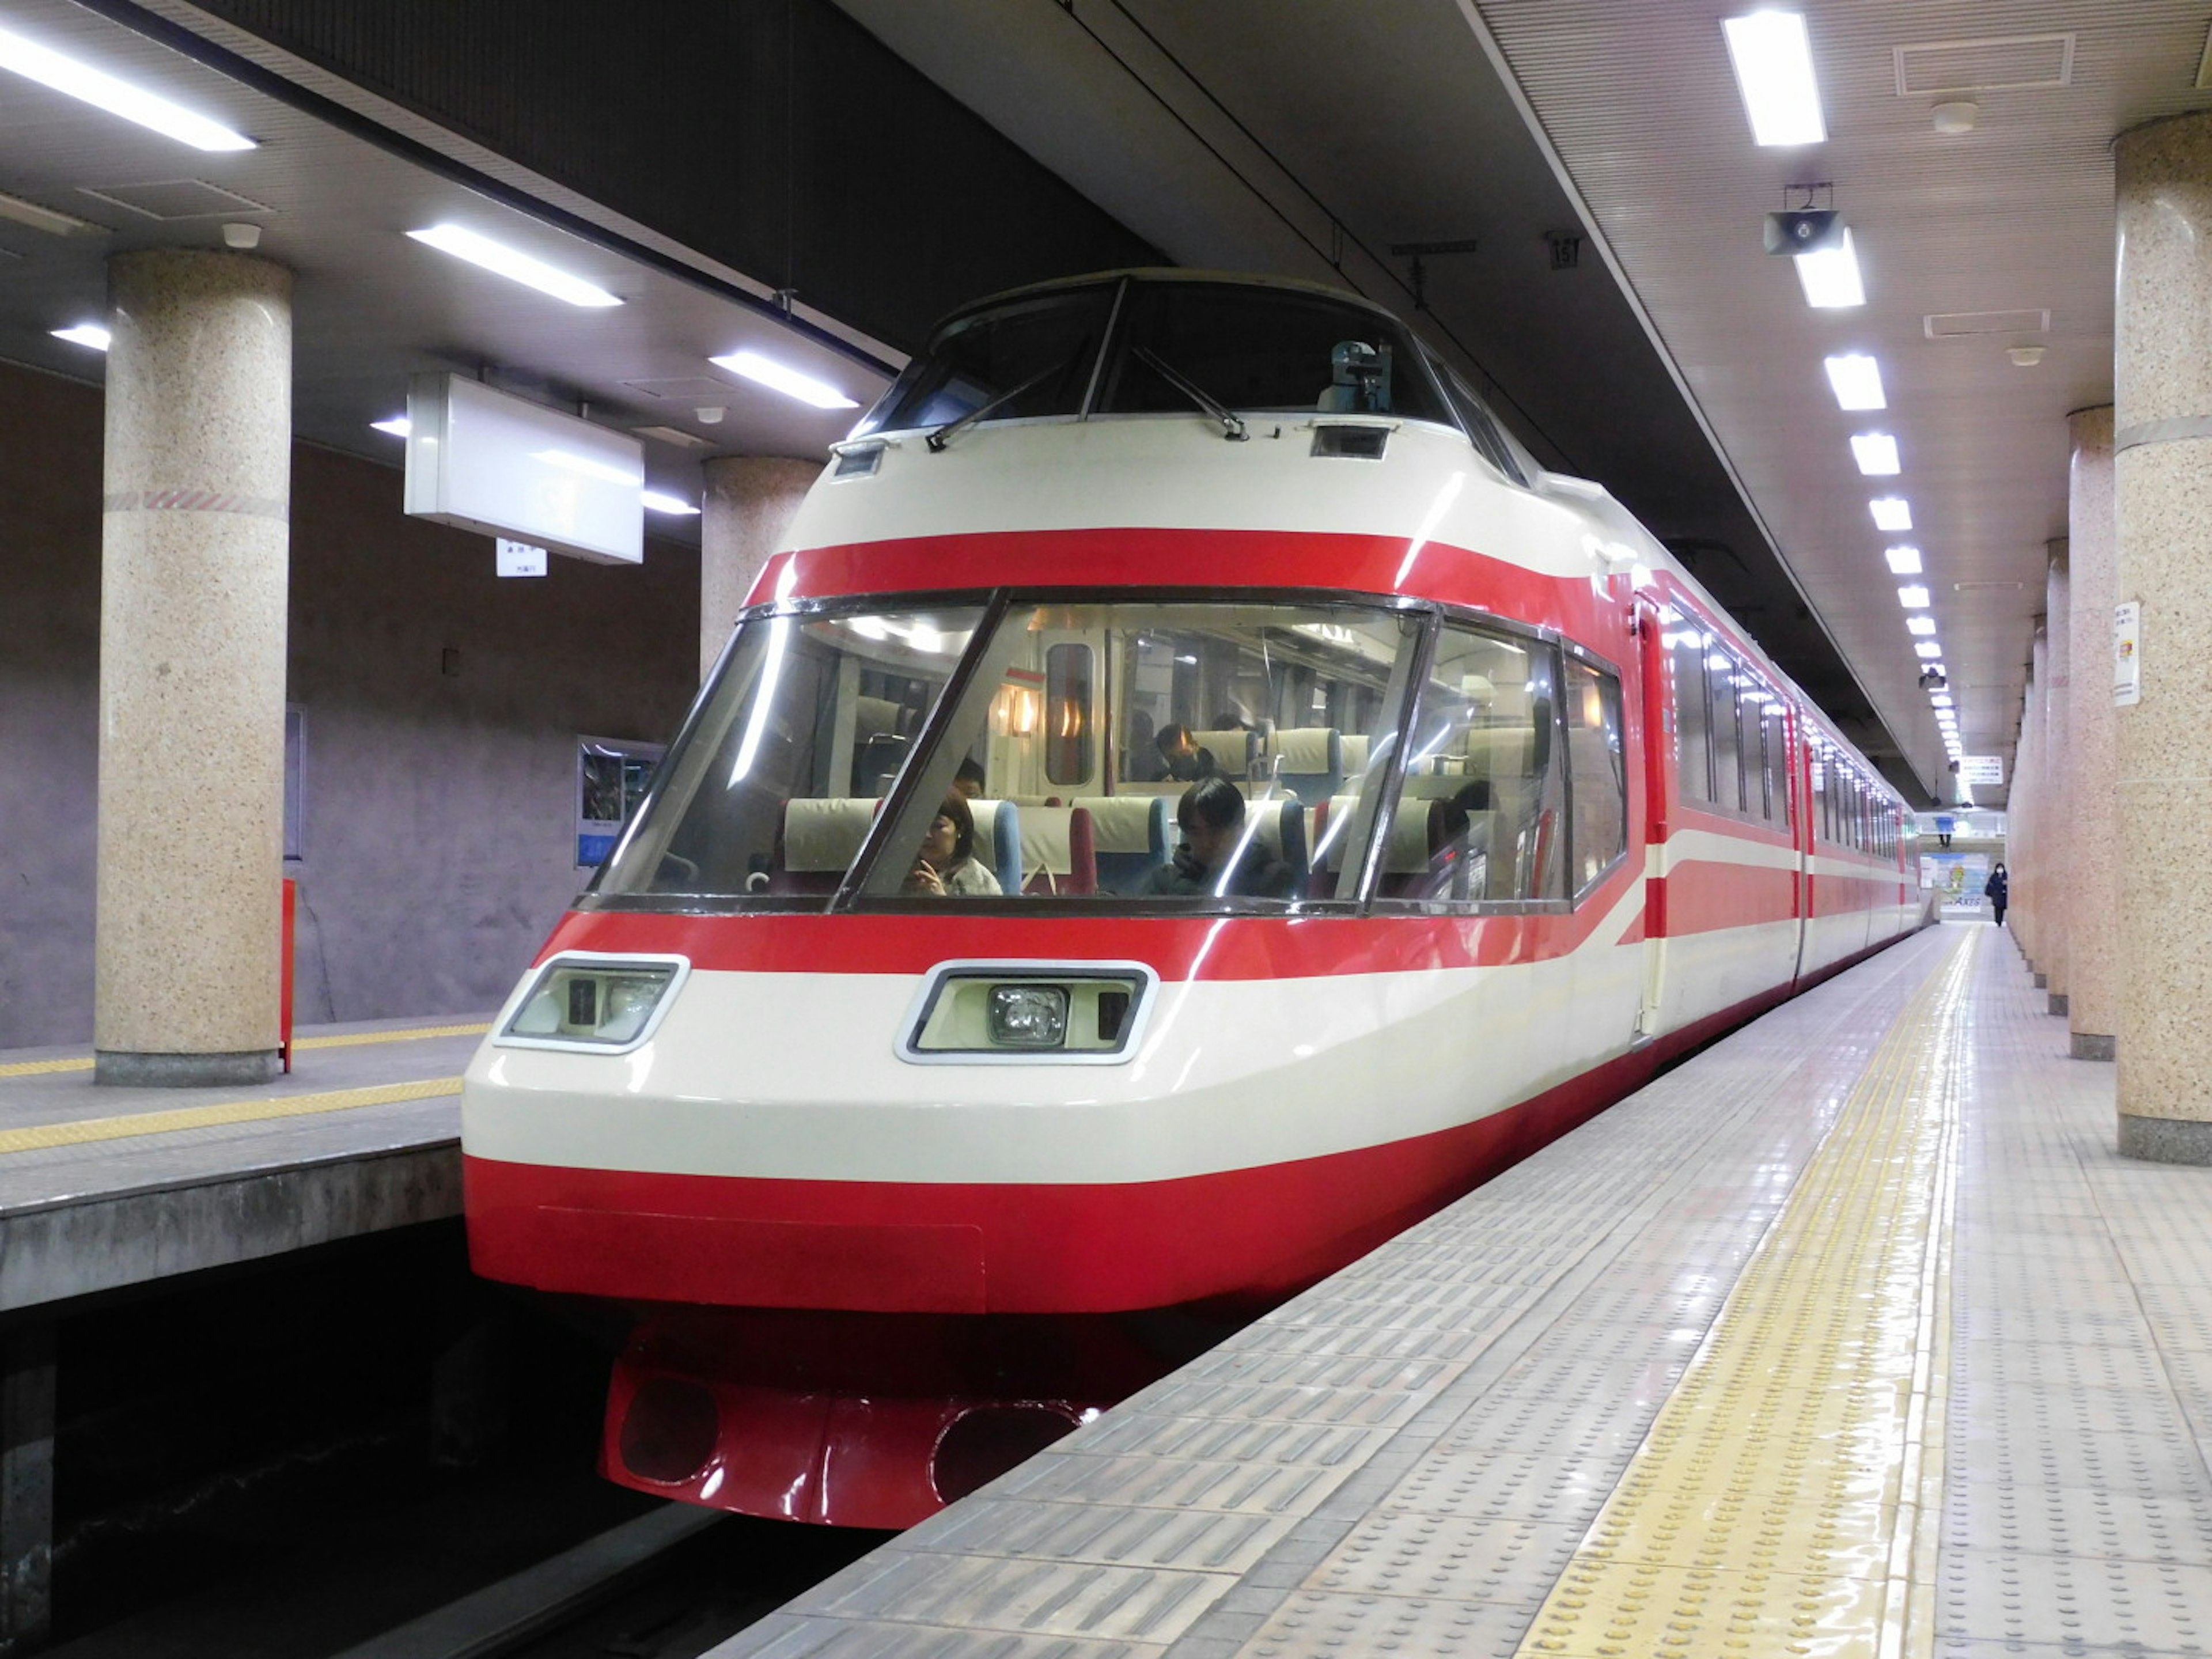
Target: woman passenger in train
1211 816
947 865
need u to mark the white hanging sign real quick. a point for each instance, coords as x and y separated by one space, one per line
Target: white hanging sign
1982 769
520 558
2127 654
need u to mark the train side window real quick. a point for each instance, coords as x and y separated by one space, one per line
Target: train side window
1774 723
1692 724
1597 781
1069 743
1722 674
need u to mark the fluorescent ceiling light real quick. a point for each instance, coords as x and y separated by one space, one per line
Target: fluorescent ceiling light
1858 380
1890 513
1773 62
1876 454
1939 699
657 502
1912 599
1929 650
84 334
1830 277
82 81
48 219
399 426
516 267
1920 624
1903 561
789 382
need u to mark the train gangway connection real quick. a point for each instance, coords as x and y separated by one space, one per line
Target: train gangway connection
1852 1335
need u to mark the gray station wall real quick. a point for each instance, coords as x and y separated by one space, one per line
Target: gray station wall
439 838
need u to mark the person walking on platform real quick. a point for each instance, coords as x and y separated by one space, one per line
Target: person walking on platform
1997 890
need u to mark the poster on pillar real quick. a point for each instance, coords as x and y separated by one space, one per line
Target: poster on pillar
2127 654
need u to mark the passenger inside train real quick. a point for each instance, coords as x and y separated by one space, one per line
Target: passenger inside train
1218 856
947 864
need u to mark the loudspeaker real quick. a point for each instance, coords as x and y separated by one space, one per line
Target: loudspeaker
1804 230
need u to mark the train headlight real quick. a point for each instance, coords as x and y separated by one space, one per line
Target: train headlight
602 1004
1029 1016
1029 1013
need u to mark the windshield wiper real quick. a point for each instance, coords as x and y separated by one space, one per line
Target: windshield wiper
938 439
1232 425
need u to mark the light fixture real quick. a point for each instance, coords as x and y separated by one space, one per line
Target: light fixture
84 334
656 501
789 382
1903 561
1772 57
1929 650
1890 513
1876 454
48 219
1912 599
399 426
1958 116
1920 624
516 267
2024 356
1857 378
1830 277
103 91
1941 699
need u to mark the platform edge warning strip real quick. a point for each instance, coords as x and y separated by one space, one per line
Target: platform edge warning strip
342 1040
261 1109
1787 1499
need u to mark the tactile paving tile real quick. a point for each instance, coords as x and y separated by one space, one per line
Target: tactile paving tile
1486 1483
1983 1368
2180 1313
1396 1553
2012 1417
783 1636
1283 1402
1323 1444
1203 1541
2156 1607
1136 1482
1231 1364
1602 1608
986 1593
2035 1519
2127 1467
1314 1624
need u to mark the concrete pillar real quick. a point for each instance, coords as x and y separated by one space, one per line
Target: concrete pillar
751 500
2093 919
2057 860
2162 443
194 556
2026 864
27 1488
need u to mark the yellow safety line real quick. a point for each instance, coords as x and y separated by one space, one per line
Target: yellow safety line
346 1039
257 1111
1788 1498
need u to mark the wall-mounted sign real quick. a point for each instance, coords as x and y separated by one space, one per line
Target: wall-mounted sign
2127 654
1978 770
488 460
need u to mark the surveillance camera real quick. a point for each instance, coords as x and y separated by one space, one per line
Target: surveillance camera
1805 230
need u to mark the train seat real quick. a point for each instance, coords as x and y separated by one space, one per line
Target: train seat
1279 826
821 836
1237 753
1059 853
999 840
1131 834
1310 762
1352 749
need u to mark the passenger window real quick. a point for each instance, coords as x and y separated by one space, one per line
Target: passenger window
1479 818
1597 774
1722 674
1774 725
1692 724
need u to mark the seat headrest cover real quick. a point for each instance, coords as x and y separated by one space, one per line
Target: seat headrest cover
1352 747
1233 751
825 834
1308 751
1127 824
1045 840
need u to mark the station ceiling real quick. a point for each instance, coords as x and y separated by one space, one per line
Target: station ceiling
1615 299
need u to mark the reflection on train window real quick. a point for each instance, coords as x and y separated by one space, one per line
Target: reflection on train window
1722 678
1686 646
1478 820
1774 728
1035 355
806 725
1597 774
1084 726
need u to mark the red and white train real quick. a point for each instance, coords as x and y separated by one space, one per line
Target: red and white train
904 1160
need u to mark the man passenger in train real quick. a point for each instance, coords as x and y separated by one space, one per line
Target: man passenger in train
968 781
947 865
1211 816
1185 761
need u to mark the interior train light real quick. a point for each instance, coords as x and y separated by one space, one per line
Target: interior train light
399 426
103 91
763 371
517 267
85 334
1903 561
1830 277
1857 378
1890 513
1912 599
656 501
1876 454
1772 56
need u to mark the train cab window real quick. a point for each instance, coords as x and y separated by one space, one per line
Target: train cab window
1479 818
1250 348
759 798
1687 647
1597 777
1028 357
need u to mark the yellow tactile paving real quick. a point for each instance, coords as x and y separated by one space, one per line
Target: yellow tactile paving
256 1110
1777 1505
345 1039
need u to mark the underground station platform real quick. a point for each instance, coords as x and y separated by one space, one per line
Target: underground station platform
1852 1335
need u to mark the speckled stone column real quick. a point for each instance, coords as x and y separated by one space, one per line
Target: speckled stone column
2162 443
2055 859
2025 810
194 551
2093 925
751 500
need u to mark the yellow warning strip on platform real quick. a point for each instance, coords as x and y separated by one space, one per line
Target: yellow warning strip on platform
259 1110
1789 1497
344 1040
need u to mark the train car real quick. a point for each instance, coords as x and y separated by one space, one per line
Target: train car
1191 797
